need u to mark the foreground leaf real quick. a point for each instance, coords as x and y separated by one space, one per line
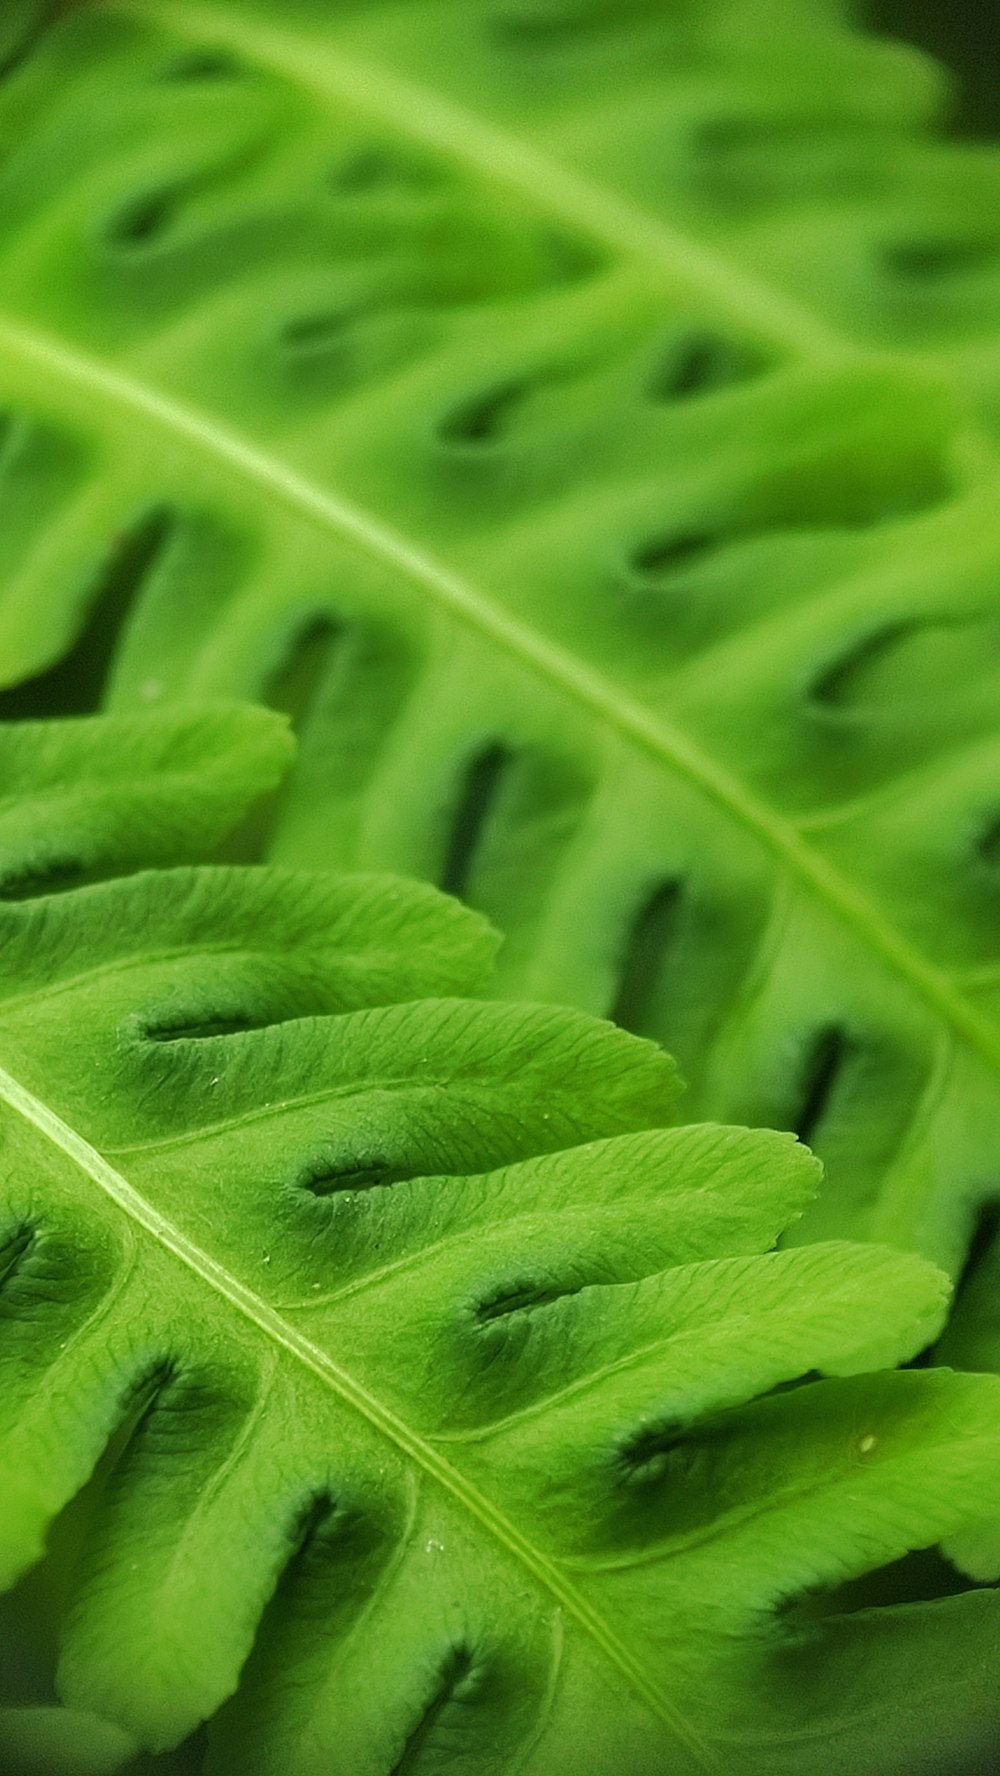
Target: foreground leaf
424 1387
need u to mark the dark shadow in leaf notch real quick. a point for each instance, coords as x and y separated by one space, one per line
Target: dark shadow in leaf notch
521 1296
477 799
76 683
701 363
826 1057
651 937
203 64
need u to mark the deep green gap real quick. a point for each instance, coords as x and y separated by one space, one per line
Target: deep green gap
965 36
75 684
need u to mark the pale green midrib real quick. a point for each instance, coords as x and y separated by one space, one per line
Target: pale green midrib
665 744
285 1337
503 159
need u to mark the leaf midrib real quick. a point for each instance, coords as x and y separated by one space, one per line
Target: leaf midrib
500 158
283 1336
53 361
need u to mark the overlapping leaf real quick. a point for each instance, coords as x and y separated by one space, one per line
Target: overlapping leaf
419 1381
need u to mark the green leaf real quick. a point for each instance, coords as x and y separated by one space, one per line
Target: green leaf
39 1741
474 384
96 797
405 1394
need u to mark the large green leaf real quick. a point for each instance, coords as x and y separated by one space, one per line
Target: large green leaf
470 381
408 1397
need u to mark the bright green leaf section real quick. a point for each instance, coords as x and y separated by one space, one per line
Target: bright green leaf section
409 368
405 1393
94 797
